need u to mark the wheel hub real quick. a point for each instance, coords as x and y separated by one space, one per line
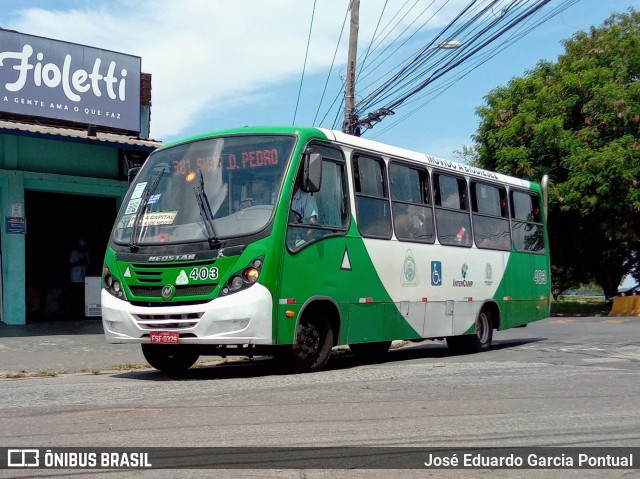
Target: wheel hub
308 340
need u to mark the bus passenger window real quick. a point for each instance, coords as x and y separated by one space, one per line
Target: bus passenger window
526 222
452 211
490 220
410 195
372 204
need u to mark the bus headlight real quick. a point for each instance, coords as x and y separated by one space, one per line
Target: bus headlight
251 274
112 285
243 279
236 283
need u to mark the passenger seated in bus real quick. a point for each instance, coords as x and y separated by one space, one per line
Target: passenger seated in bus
411 226
419 226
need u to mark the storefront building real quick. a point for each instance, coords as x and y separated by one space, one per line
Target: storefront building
73 121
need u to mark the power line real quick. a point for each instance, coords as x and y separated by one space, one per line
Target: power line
326 83
476 28
396 44
528 26
304 67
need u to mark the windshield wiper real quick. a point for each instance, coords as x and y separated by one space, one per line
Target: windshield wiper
137 222
205 212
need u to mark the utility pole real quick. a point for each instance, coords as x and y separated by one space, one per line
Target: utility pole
350 83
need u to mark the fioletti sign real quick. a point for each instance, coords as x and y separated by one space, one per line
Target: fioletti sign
53 79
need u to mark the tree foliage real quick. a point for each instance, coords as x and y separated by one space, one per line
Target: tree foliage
578 120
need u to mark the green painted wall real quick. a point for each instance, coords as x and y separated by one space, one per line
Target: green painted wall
56 166
73 159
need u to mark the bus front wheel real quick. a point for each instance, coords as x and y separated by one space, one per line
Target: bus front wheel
313 343
170 359
476 342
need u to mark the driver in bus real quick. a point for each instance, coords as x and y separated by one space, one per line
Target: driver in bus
304 210
304 206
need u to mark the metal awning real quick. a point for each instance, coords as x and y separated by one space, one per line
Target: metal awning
77 136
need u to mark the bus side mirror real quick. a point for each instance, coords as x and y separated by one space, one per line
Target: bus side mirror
132 173
312 172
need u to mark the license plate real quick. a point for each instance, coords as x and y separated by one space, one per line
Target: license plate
164 337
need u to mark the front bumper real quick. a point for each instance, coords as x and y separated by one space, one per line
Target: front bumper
244 317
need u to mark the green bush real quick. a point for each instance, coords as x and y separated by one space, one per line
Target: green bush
583 308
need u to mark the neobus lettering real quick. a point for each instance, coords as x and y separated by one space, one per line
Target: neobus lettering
460 167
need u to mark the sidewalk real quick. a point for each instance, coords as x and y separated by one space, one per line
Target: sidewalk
62 346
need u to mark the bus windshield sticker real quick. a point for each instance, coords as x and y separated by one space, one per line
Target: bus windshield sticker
133 206
156 219
137 192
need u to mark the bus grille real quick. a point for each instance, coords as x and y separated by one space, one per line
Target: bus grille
181 291
168 321
151 273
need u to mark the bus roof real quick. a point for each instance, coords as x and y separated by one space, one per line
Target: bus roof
400 153
363 144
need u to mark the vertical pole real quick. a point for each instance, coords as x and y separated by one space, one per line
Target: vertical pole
350 84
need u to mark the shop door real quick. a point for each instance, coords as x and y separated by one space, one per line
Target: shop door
55 222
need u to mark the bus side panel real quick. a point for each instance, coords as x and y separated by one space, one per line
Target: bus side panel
438 289
341 269
366 322
523 296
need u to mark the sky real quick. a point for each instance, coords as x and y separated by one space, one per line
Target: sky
218 64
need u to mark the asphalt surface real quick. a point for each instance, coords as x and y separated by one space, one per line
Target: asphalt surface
78 346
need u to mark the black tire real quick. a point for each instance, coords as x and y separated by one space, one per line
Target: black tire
312 347
477 342
371 350
172 359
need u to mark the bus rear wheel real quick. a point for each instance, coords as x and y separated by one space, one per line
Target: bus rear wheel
170 359
313 343
477 342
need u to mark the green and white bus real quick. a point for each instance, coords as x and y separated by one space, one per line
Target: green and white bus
213 254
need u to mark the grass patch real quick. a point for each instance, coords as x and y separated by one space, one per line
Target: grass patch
18 375
46 373
129 366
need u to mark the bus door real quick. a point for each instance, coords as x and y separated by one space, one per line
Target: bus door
316 261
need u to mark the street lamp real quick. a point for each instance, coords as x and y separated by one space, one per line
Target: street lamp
449 45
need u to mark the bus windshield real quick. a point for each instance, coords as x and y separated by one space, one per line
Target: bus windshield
208 189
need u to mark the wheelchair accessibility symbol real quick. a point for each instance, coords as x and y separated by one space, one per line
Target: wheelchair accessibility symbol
436 273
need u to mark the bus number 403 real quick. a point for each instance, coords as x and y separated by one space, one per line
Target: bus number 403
540 276
204 273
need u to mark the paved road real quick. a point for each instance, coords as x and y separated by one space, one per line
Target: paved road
561 381
76 346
